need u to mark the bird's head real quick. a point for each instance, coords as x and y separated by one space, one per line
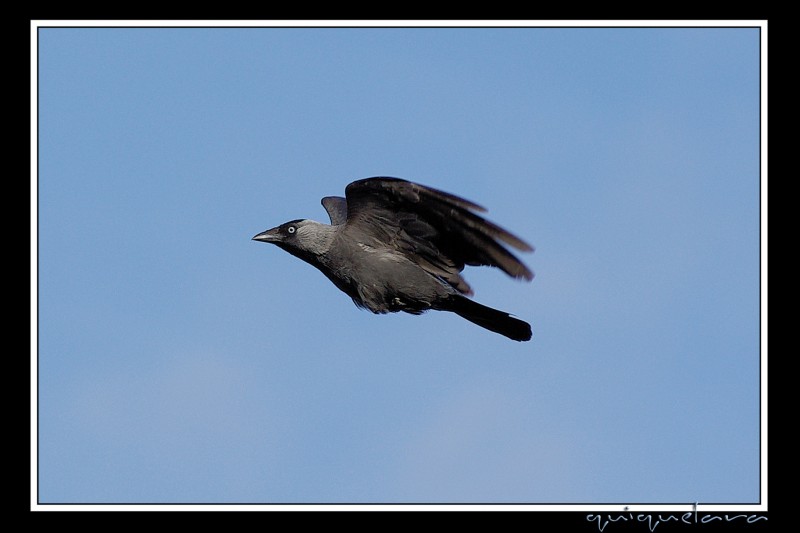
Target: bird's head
305 239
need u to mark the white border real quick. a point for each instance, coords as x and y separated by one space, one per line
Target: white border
408 23
614 510
34 360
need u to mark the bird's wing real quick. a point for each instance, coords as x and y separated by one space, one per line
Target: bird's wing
439 230
336 206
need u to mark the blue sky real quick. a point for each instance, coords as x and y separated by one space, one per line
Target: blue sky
181 362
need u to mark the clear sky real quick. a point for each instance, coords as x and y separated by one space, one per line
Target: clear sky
181 362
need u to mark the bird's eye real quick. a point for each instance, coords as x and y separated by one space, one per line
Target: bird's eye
290 229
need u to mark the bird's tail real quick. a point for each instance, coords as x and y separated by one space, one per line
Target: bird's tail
489 318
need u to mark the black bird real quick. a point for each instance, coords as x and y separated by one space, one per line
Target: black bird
394 245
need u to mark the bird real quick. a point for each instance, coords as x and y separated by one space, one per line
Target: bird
393 245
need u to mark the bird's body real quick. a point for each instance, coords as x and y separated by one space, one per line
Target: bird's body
394 245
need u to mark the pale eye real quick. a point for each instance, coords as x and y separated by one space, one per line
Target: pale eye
290 229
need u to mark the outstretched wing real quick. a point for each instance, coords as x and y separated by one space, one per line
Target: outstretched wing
438 230
336 206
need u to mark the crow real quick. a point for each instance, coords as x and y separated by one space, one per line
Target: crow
394 245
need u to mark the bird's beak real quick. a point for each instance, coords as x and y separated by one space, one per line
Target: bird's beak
271 235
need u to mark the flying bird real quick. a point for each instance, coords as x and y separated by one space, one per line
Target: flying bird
393 245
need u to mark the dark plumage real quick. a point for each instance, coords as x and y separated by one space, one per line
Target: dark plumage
394 245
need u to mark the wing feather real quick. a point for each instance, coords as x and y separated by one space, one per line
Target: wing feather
441 231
